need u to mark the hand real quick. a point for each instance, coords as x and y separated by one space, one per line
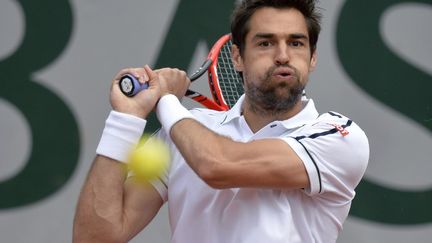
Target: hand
142 103
173 81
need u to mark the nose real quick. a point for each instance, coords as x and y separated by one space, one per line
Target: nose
282 55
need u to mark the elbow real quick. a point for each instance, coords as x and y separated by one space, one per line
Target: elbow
216 166
212 172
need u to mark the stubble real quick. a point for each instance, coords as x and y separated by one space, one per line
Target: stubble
274 98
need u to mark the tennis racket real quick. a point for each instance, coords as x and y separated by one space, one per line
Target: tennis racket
226 84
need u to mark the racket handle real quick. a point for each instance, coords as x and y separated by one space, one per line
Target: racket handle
130 86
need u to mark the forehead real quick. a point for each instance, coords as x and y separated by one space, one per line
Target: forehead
279 21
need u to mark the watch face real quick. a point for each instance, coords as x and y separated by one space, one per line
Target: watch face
126 85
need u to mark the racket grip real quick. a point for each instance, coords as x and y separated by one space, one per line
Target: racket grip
130 86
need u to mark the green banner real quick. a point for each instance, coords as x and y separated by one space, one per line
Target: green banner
397 84
54 130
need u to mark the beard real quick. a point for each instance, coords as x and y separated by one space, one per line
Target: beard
271 98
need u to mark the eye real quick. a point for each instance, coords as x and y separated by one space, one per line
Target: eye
296 43
264 43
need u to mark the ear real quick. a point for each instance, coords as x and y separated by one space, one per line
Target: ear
236 58
313 61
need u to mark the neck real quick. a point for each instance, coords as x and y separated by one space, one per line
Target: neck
257 118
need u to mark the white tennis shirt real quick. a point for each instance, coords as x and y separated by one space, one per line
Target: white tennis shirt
335 152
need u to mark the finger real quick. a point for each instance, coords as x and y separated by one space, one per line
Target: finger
143 77
151 74
123 72
138 73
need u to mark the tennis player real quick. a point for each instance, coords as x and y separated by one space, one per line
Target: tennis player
271 169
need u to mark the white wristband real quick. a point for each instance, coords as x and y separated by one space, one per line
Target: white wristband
120 135
169 111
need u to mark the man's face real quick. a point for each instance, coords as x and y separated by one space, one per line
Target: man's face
277 60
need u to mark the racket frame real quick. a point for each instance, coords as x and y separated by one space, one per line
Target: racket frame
210 65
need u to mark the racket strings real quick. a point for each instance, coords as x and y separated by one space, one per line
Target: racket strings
230 81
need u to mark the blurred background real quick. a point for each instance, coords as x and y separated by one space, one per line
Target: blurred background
57 58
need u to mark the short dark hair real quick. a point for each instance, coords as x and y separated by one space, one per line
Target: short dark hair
244 11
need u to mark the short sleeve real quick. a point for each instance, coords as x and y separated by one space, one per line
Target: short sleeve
335 153
315 185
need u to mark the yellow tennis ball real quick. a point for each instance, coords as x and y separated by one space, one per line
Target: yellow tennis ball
150 159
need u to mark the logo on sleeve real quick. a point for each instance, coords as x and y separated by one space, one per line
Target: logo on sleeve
340 129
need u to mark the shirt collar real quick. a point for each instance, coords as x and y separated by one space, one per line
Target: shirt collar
235 111
306 115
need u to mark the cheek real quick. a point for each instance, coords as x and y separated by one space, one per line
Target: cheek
256 67
252 76
248 70
303 66
248 77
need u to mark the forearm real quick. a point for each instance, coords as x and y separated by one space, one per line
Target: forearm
107 210
100 206
207 153
203 149
112 208
200 146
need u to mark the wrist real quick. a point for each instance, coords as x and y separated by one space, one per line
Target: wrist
121 134
136 114
132 109
169 111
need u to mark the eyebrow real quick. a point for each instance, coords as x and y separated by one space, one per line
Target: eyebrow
271 35
298 36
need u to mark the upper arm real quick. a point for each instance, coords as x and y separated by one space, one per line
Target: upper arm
224 163
321 160
270 163
316 156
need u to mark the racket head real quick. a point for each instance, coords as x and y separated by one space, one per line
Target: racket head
226 84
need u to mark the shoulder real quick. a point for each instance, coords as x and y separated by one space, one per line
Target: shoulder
332 125
338 134
334 149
